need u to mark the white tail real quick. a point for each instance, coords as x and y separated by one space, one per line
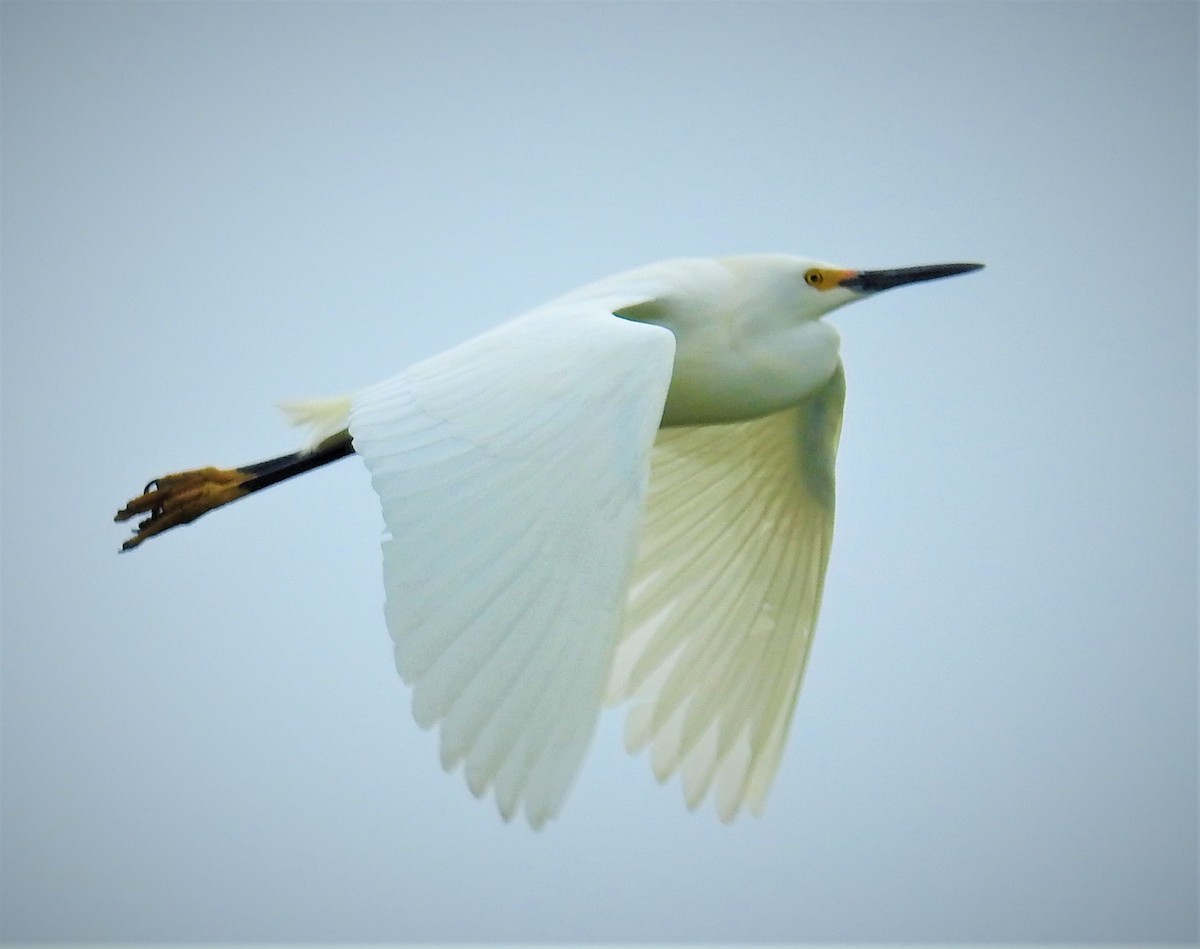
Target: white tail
322 417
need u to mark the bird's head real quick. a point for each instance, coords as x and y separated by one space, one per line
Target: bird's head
826 287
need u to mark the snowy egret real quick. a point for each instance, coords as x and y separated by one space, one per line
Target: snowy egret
624 494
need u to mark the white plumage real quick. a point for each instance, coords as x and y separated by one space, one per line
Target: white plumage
512 472
725 595
625 494
530 574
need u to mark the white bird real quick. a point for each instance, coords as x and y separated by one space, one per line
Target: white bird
625 494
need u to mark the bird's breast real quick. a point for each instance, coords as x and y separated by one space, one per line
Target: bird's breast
720 376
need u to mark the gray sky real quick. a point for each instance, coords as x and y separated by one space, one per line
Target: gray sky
208 209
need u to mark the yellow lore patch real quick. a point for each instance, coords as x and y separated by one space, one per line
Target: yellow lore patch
826 278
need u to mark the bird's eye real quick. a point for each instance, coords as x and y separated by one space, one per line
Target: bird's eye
814 278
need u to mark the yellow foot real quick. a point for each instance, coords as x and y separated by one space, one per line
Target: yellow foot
176 499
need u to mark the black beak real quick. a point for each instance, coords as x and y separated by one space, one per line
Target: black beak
872 281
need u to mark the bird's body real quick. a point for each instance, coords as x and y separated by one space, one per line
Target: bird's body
626 493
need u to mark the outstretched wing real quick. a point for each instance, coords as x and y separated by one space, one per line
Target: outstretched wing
512 473
725 596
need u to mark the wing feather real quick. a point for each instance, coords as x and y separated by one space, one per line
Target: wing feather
512 472
725 596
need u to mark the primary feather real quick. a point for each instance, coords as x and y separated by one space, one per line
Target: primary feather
725 596
512 471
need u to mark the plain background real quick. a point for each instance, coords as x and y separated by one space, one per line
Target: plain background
211 208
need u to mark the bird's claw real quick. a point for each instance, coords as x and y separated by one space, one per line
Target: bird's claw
176 499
